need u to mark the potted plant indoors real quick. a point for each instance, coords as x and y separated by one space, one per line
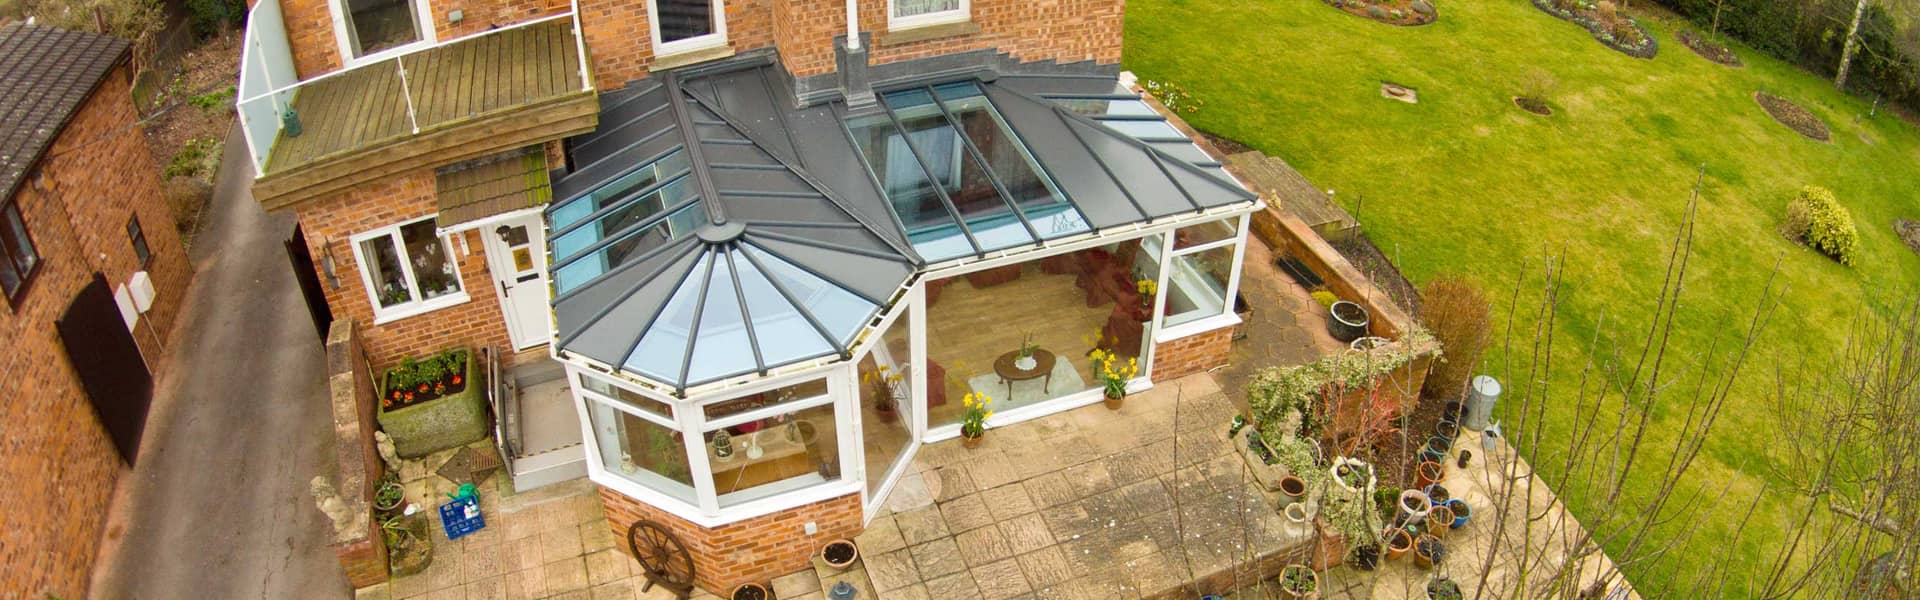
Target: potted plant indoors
433 403
887 392
1297 582
1114 376
1428 550
1346 321
973 418
751 591
839 554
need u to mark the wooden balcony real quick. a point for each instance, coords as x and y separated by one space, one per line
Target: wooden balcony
464 99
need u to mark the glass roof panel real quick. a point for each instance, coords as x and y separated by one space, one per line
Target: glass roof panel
783 333
1144 129
724 347
967 183
840 311
633 211
572 211
1094 107
630 247
1043 204
663 349
930 227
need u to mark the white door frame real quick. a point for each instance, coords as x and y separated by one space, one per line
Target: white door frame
500 266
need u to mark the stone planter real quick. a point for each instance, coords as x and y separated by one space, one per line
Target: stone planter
446 422
1268 475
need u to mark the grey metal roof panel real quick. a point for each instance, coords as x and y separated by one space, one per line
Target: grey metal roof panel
1134 169
1054 84
873 278
1097 195
610 317
830 157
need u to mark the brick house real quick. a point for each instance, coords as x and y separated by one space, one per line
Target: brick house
91 278
792 232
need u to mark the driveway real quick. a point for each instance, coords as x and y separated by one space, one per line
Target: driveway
218 506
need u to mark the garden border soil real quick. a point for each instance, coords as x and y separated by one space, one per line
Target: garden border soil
1794 116
1909 232
1709 50
1359 8
1653 45
1539 107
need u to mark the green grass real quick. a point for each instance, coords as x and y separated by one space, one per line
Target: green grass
1466 182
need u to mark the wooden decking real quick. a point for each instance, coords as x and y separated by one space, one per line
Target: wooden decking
469 98
1270 176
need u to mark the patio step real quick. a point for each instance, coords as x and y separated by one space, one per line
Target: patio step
549 448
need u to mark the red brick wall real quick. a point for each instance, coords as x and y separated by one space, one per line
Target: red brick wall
755 550
482 15
310 34
1191 354
329 224
620 41
60 467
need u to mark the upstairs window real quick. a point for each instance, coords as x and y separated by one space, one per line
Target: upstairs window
685 25
408 270
18 258
373 27
915 13
139 240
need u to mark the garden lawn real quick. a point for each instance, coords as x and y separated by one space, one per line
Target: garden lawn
1466 182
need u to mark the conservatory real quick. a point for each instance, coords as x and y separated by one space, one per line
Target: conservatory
763 307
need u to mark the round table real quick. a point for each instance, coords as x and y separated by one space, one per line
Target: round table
1042 368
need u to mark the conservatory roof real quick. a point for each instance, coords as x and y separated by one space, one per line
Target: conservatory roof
709 230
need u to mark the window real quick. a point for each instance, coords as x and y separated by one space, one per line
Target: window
370 27
139 240
1201 274
684 25
18 259
641 448
624 395
790 442
915 13
408 269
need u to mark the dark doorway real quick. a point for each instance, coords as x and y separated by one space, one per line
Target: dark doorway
103 353
309 279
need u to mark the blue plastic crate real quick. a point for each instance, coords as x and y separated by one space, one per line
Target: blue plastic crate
461 517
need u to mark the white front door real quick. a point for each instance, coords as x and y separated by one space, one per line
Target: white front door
516 255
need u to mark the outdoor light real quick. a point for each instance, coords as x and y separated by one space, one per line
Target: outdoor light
326 264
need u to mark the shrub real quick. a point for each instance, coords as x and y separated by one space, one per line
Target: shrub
1376 12
1816 218
1538 84
1423 7
197 158
214 101
1460 318
210 16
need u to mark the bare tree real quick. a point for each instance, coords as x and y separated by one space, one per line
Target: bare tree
1852 43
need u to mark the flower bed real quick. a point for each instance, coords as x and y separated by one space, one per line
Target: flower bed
1709 50
1606 23
1391 12
1793 116
1909 232
433 404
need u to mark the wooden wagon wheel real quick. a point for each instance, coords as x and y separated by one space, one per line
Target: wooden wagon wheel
664 559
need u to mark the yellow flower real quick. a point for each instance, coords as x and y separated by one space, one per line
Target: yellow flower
989 415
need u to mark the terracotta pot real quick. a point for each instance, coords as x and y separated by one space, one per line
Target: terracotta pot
1429 473
971 442
851 552
1113 402
751 591
1421 557
1440 521
1294 489
1398 543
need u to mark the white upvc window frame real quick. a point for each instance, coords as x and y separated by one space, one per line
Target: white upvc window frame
423 11
959 15
385 314
643 478
1226 317
693 44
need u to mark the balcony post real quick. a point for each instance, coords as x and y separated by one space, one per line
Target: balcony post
407 91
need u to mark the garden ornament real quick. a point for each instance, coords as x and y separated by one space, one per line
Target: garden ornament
383 444
329 502
842 591
467 491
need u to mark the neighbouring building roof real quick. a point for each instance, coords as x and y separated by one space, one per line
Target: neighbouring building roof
46 74
709 229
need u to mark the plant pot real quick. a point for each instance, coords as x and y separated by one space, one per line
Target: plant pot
886 411
1346 321
1413 506
1440 521
397 500
1443 589
1461 513
801 432
1353 463
1367 343
1428 473
751 591
1297 582
970 441
1398 543
1366 558
1297 513
839 554
1114 401
1026 363
1447 429
1293 489
1437 494
1428 550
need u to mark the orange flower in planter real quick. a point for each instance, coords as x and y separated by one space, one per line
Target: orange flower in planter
396 394
409 396
456 379
386 403
439 388
423 388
